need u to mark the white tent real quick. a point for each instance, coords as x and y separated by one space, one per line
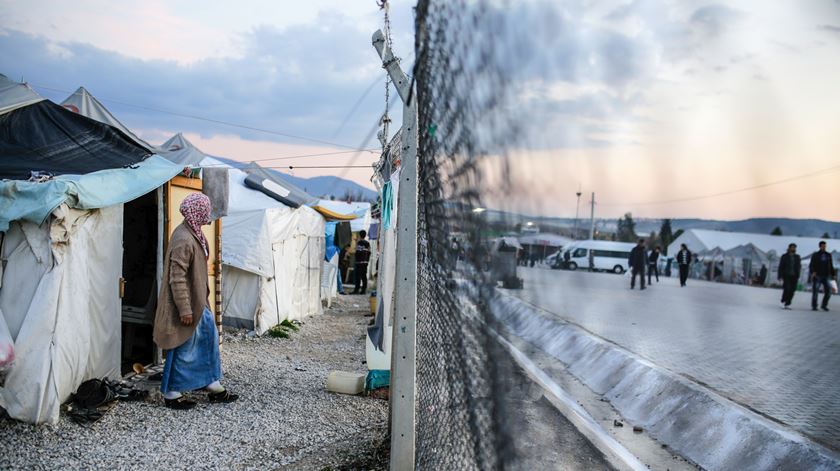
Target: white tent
61 338
699 240
62 249
272 255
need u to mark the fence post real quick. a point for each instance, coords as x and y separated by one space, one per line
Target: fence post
404 339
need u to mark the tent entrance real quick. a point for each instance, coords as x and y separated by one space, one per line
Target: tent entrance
140 271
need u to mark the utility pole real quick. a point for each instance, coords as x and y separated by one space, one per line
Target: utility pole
592 219
577 214
404 336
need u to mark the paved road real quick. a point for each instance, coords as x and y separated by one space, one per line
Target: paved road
734 339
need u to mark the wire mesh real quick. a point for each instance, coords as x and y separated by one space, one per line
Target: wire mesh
460 414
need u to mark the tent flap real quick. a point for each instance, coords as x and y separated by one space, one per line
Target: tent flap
33 202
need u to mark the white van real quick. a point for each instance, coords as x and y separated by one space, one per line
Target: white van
607 255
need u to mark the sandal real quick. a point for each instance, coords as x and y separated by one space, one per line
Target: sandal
181 403
224 397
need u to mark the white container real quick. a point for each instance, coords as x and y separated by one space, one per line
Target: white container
345 382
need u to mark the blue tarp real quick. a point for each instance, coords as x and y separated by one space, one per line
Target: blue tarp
30 201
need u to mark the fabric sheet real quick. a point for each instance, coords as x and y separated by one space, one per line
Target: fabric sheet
215 185
343 235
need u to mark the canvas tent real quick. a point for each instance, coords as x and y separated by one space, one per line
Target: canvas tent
62 245
85 104
765 248
271 254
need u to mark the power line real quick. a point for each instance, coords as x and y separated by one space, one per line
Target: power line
731 192
202 118
290 157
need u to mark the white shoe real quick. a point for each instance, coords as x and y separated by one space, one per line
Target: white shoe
786 308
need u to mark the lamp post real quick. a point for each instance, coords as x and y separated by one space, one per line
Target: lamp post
577 214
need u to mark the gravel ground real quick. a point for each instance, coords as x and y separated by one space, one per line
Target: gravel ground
284 419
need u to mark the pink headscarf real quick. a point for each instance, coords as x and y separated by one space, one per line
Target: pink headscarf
196 211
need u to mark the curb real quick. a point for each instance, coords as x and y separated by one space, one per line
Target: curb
692 420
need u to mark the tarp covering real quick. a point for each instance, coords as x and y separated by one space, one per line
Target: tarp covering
46 137
85 104
293 195
360 210
14 95
61 338
332 215
33 202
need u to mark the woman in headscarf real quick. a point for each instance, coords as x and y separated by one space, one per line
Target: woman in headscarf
184 325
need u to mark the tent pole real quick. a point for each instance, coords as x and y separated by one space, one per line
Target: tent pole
404 339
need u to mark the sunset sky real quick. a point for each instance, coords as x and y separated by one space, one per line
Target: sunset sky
642 101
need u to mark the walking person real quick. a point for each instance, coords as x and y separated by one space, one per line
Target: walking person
637 262
653 264
821 270
684 262
361 267
184 325
790 266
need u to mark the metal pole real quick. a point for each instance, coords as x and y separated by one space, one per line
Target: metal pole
404 338
577 215
592 219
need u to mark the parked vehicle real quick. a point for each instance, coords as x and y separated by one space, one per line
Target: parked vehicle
606 255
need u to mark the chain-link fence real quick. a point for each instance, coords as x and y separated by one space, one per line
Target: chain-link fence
460 420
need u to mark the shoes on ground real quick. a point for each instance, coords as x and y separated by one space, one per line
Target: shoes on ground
181 403
825 308
224 397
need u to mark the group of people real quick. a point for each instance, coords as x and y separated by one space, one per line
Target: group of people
642 261
821 274
821 271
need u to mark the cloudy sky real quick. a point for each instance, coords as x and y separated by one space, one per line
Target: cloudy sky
649 103
297 68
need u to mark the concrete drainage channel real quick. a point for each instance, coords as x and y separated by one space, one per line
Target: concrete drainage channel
692 421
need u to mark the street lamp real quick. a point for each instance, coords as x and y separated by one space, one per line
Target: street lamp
577 213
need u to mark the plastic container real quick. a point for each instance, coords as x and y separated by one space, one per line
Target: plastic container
345 382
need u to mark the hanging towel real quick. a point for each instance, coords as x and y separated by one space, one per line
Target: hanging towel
387 205
215 185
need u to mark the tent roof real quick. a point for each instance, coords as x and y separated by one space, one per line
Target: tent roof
551 240
44 137
699 240
181 151
14 95
85 104
748 251
278 185
359 211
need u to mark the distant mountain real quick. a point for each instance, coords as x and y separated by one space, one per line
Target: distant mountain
644 226
327 187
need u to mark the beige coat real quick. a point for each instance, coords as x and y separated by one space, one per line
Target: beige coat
184 289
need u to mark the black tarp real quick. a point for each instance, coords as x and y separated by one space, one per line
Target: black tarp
46 137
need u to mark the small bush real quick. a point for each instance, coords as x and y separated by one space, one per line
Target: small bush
279 331
289 325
